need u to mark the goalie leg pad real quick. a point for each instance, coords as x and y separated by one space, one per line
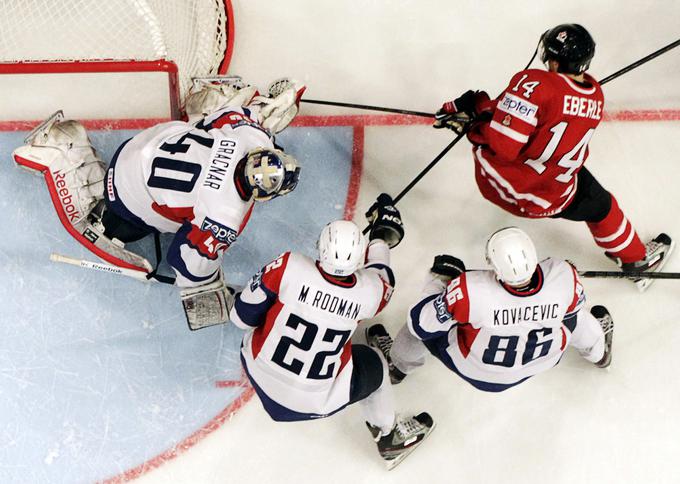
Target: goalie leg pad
207 305
74 174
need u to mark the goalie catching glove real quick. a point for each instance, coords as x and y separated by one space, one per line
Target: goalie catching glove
207 305
385 221
210 94
277 110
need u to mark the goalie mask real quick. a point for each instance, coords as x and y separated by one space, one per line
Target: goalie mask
271 173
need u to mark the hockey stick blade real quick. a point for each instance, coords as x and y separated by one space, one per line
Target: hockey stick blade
98 266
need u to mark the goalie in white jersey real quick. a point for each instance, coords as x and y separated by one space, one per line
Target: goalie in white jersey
197 179
497 328
300 314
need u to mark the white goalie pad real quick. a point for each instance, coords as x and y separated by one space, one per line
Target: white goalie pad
207 305
210 94
74 173
277 110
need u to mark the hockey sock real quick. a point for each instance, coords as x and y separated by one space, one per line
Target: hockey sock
617 237
408 352
379 408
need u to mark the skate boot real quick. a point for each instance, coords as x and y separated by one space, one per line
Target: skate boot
406 435
378 338
607 324
657 251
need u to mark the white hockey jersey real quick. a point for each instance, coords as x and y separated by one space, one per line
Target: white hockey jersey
179 178
495 337
297 352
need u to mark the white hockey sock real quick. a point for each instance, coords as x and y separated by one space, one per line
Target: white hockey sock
408 352
588 337
378 408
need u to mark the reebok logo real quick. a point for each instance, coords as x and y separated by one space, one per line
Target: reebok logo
66 198
221 232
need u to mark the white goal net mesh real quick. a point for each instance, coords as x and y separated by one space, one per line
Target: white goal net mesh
191 33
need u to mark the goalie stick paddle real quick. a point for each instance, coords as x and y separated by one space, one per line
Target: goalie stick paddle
98 266
605 80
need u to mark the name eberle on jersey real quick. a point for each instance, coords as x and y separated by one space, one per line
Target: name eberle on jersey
332 304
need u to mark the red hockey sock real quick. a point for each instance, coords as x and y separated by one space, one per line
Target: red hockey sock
617 237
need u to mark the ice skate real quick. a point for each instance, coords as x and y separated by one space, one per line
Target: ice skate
378 338
657 251
607 323
406 435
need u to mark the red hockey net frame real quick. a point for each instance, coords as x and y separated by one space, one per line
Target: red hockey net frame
119 65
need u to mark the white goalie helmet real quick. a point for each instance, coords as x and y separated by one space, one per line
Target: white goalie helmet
512 255
271 173
342 248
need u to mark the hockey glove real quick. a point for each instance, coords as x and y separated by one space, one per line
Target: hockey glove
385 221
456 115
448 266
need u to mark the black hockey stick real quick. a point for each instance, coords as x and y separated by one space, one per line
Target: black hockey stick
424 171
370 108
638 63
630 275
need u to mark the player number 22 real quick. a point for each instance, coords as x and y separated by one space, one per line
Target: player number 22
305 344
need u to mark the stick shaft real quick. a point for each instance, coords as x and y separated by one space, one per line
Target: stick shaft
98 266
630 275
638 63
370 108
424 171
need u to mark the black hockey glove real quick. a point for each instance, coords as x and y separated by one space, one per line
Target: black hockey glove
385 221
457 114
447 266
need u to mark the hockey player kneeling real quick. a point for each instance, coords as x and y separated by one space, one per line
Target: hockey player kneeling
195 179
300 314
495 329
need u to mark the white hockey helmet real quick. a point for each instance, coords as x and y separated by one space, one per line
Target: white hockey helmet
512 255
342 248
271 173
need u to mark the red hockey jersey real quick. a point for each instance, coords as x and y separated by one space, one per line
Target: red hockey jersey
528 155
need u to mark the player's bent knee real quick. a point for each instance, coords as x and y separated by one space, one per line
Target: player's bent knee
368 372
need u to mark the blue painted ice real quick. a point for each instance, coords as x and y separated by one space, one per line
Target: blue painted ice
99 373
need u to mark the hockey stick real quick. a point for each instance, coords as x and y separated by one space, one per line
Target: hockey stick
630 275
638 63
370 108
98 266
424 171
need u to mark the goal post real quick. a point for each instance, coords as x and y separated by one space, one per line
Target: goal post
118 59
